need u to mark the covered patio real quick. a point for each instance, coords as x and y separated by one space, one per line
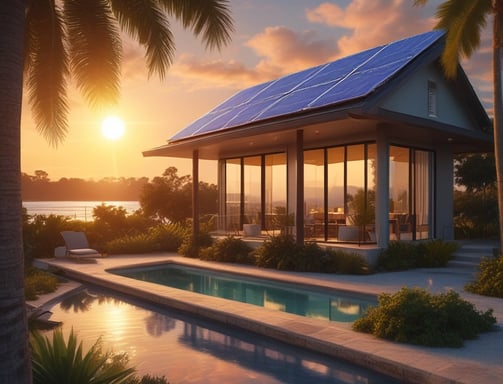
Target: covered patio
356 151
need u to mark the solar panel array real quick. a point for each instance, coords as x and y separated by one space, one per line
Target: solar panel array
343 80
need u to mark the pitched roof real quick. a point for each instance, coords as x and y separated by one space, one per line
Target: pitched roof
341 81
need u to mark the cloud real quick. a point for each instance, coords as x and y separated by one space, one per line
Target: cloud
203 74
371 23
280 51
283 50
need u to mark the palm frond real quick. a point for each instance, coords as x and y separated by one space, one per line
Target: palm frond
95 49
145 22
463 21
46 69
210 19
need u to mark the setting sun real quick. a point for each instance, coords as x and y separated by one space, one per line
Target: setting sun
112 127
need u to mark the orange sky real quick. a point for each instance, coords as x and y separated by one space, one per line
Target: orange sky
272 38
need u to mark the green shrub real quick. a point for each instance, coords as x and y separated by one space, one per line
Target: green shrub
413 315
402 255
191 248
58 361
161 238
41 234
489 280
399 255
277 252
283 253
229 250
435 253
38 282
351 263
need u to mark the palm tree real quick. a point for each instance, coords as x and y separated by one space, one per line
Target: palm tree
463 21
50 40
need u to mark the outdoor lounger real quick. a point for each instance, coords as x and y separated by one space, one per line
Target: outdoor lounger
77 245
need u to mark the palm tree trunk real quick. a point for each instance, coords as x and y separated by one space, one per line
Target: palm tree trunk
498 105
15 362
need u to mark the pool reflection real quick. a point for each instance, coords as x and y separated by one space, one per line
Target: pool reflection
333 306
191 350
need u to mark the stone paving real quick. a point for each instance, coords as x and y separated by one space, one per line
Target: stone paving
480 361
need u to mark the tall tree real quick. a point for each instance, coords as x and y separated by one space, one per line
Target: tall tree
60 38
463 21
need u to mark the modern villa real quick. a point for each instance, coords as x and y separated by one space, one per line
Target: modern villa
355 151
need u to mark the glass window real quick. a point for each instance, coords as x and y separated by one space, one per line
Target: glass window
356 194
335 190
410 193
371 186
233 195
422 193
314 193
275 191
399 182
252 172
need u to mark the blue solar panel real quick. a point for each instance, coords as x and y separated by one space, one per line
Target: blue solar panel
340 81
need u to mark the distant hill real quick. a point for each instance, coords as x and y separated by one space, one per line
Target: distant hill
40 188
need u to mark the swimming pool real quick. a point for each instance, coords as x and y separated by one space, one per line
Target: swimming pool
304 301
189 349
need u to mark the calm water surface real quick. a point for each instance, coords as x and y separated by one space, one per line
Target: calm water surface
321 304
79 210
191 350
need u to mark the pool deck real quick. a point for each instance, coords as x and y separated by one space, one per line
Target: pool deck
479 361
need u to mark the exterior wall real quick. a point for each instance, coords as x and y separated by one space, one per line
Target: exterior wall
412 99
444 199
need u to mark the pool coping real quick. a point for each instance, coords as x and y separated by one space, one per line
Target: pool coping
409 364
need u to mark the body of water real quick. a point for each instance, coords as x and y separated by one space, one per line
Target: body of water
327 305
188 349
77 210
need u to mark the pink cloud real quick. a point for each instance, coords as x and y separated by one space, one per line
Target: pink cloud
280 50
230 74
371 23
283 50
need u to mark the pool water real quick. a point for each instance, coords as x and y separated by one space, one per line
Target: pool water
322 304
185 349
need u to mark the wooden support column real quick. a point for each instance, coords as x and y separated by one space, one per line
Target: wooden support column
299 209
195 196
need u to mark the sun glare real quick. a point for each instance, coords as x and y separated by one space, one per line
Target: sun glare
112 127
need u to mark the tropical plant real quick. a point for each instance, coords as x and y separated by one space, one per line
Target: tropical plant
282 252
229 250
49 40
463 21
58 361
476 204
160 238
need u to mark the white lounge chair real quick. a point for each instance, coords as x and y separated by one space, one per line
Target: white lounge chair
77 245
